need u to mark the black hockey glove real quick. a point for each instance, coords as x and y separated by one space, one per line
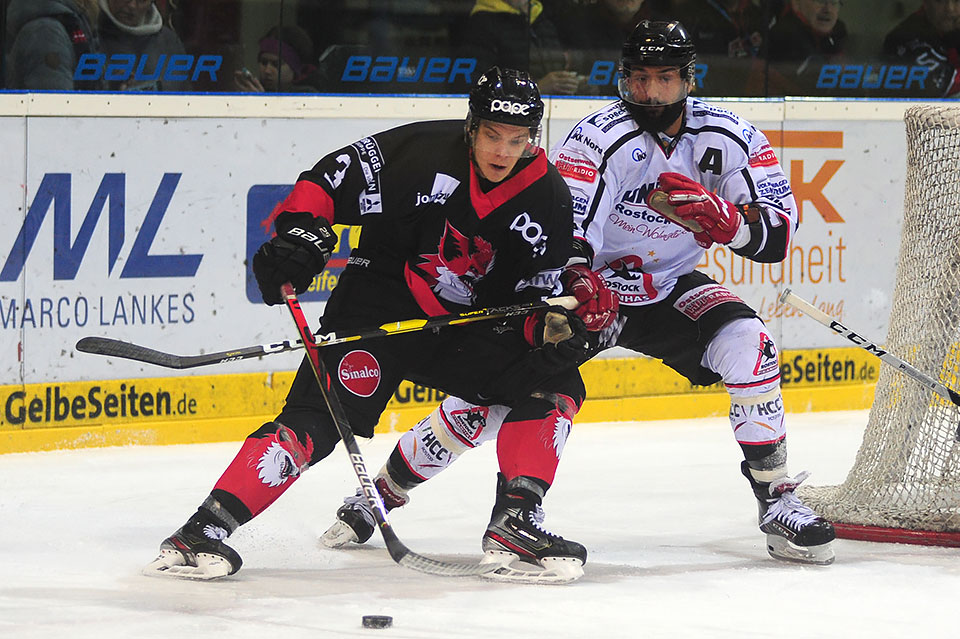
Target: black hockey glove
564 344
299 251
561 338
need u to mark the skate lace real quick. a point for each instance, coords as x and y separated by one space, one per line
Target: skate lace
536 517
789 510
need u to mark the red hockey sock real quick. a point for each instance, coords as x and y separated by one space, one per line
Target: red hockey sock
531 439
268 463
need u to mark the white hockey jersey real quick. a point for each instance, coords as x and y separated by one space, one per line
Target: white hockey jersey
611 166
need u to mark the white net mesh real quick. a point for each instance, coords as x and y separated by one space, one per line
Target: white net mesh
907 472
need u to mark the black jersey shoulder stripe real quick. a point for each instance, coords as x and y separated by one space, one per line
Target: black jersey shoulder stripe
722 131
593 207
607 154
750 185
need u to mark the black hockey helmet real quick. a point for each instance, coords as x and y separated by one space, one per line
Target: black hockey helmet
657 44
506 96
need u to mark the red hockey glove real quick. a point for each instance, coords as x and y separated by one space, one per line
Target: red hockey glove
687 203
598 304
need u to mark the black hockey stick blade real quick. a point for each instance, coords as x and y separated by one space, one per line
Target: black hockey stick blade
128 350
415 561
398 551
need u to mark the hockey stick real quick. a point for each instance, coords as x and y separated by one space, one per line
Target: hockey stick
127 350
811 311
398 551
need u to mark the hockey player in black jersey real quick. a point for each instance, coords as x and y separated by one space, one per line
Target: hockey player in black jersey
656 178
454 217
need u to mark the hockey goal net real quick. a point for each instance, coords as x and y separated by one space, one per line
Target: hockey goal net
905 483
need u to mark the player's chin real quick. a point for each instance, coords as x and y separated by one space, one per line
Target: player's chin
653 109
495 172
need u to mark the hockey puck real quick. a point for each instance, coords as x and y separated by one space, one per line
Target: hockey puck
377 621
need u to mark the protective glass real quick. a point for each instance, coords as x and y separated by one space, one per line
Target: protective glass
653 86
524 147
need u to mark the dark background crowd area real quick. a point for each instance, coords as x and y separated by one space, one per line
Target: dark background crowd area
746 48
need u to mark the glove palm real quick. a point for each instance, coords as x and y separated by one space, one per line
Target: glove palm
689 204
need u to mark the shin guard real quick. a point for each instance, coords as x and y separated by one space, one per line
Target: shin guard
533 435
452 429
268 463
745 356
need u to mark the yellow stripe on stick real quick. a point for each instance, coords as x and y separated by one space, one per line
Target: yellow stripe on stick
404 326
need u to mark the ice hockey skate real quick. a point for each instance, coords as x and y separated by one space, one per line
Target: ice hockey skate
196 551
355 522
794 532
516 539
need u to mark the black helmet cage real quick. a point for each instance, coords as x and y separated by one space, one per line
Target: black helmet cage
506 96
657 44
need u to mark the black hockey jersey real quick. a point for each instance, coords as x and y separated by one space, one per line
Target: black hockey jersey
425 218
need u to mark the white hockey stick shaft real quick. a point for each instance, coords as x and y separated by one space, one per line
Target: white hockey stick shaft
808 309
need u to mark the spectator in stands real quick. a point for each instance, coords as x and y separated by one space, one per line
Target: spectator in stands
516 34
285 63
730 37
593 31
731 28
136 27
49 37
808 35
600 24
930 37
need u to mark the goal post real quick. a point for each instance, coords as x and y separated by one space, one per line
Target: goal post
905 483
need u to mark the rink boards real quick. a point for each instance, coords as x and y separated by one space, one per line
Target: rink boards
209 408
132 217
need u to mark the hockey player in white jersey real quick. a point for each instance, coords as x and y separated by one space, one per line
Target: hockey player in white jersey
657 178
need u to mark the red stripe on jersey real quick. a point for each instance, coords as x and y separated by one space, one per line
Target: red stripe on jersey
764 157
422 293
485 203
305 196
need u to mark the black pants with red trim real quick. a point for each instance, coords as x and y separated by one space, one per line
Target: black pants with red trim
460 360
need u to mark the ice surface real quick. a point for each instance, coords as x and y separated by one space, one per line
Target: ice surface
669 523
